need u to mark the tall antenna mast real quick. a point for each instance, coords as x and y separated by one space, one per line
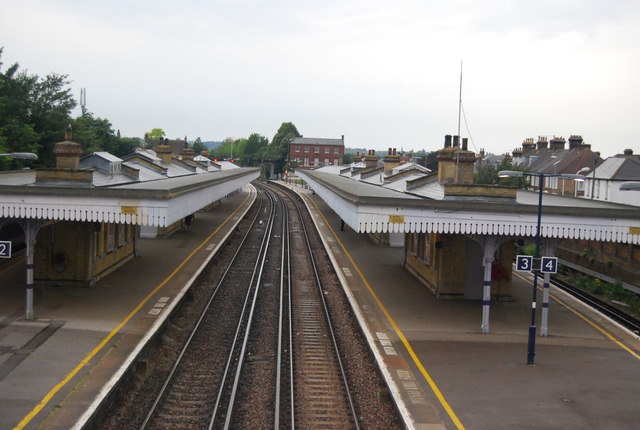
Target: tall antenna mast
83 100
460 99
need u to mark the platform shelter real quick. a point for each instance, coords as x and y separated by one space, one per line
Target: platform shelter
460 245
77 232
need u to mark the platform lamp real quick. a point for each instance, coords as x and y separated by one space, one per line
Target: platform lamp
531 346
630 186
21 155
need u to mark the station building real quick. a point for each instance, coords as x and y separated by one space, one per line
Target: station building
310 152
80 220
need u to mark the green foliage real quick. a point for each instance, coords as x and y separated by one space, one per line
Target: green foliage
230 148
33 113
530 249
347 158
155 134
255 149
518 183
277 151
613 293
96 134
198 146
486 174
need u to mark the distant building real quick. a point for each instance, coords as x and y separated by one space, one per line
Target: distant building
309 152
603 183
552 157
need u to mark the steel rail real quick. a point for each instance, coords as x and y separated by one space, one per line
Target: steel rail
254 287
284 313
170 377
327 316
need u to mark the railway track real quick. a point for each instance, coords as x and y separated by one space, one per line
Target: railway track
264 352
603 307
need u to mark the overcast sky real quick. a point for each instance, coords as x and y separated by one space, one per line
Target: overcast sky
381 73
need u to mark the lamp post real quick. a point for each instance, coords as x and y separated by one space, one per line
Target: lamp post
531 345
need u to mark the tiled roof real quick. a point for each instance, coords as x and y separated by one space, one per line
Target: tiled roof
316 141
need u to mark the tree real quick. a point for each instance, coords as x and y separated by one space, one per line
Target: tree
16 133
198 146
506 164
277 151
485 174
33 112
488 174
155 134
231 148
347 158
255 148
96 134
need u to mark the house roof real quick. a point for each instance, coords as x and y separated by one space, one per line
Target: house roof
620 167
316 141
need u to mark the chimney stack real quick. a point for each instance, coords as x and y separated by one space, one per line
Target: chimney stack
575 141
542 142
455 165
165 153
67 153
371 160
557 143
528 147
391 160
187 153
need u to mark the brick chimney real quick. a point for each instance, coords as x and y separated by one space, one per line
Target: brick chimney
557 143
575 141
391 160
187 153
67 152
371 159
517 153
528 147
164 152
542 142
455 165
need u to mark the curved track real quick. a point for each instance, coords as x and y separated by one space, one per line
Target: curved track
274 360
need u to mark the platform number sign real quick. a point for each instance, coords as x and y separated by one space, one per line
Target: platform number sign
524 263
549 265
5 249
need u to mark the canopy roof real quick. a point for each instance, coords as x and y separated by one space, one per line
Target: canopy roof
370 208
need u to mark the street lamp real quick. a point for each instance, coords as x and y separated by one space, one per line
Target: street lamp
21 155
630 186
531 346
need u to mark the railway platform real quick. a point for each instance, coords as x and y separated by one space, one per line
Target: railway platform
443 371
450 375
53 368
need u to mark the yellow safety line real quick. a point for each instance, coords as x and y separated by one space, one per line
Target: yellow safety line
397 329
588 321
97 349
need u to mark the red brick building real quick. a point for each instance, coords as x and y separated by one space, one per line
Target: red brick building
311 152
